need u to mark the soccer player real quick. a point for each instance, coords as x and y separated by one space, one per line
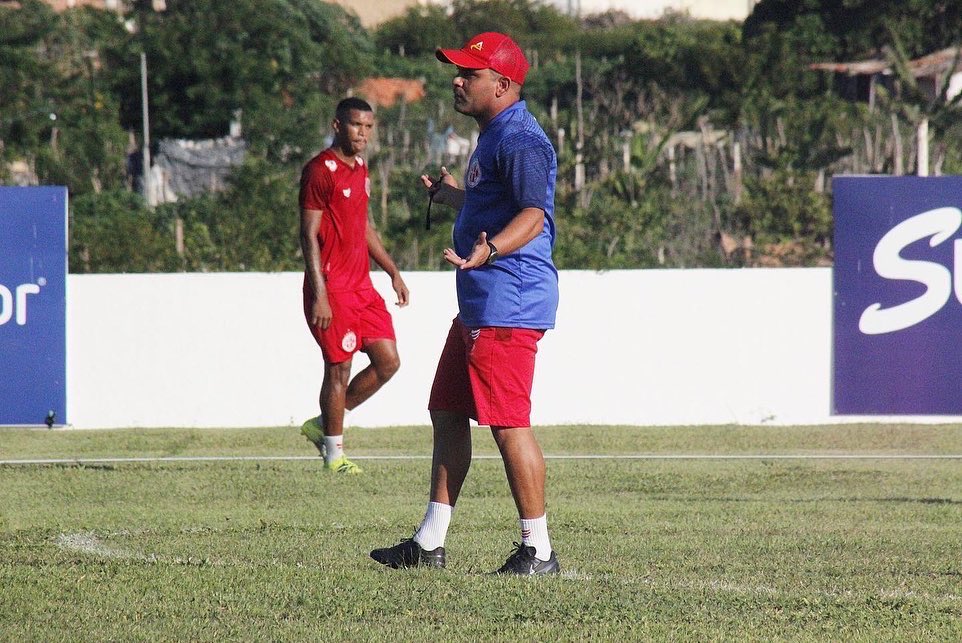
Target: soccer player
343 310
507 288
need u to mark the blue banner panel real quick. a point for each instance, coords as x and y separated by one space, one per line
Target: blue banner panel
898 295
33 305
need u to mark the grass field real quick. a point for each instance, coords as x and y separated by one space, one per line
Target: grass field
653 547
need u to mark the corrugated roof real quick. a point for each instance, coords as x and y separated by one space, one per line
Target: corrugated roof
856 68
932 64
936 63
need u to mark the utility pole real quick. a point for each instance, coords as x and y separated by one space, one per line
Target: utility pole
148 184
580 140
922 141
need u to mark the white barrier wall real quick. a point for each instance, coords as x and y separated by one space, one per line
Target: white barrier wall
658 347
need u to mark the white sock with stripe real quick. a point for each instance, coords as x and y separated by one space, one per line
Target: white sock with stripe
534 533
333 447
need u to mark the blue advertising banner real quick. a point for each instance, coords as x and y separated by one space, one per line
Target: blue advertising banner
898 295
33 305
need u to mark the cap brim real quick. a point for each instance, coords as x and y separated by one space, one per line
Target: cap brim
460 58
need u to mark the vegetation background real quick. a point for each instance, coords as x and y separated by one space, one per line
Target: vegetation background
681 143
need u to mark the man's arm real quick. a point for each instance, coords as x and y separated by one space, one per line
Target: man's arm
311 249
445 190
525 226
381 257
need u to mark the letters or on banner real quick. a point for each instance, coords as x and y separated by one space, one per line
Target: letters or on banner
33 294
898 295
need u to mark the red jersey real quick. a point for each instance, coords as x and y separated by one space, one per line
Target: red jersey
341 192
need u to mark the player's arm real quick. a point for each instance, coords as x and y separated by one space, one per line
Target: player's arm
311 249
383 259
525 226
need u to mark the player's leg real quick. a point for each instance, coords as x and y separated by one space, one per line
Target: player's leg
376 330
333 394
338 342
384 364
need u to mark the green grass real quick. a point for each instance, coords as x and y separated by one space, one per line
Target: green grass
690 549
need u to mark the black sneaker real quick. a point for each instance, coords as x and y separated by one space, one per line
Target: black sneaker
408 553
523 562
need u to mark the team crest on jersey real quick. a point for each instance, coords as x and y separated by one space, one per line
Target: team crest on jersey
367 185
331 165
349 342
474 174
347 193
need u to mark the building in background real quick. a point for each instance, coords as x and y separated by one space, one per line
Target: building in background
858 80
117 6
653 9
374 13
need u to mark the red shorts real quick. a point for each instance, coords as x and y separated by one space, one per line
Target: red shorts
486 374
358 318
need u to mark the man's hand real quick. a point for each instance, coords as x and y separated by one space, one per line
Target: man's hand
401 290
321 313
479 254
445 190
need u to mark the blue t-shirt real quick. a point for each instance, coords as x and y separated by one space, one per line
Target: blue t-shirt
514 167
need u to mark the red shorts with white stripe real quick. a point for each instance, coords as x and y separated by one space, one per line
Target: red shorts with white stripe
358 318
487 374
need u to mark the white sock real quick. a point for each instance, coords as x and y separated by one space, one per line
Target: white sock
534 533
333 447
434 528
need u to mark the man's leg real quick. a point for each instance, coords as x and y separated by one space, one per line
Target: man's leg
384 364
452 456
449 468
524 466
449 464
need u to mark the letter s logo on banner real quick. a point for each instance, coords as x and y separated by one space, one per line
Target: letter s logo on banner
896 326
939 224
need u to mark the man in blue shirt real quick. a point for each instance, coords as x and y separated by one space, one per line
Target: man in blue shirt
507 289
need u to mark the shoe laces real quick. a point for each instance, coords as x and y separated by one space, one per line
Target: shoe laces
518 557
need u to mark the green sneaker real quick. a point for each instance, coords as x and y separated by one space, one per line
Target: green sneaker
312 431
343 465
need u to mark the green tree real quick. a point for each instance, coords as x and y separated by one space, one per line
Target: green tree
274 60
60 112
859 27
116 232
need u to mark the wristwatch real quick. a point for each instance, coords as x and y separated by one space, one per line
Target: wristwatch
493 256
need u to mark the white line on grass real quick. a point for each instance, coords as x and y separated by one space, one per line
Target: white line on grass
642 456
90 544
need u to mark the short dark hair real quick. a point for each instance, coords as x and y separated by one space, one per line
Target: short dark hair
343 110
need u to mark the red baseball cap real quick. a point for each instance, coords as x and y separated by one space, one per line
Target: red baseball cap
489 50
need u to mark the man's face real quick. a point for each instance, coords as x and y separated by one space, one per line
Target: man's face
351 134
474 90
